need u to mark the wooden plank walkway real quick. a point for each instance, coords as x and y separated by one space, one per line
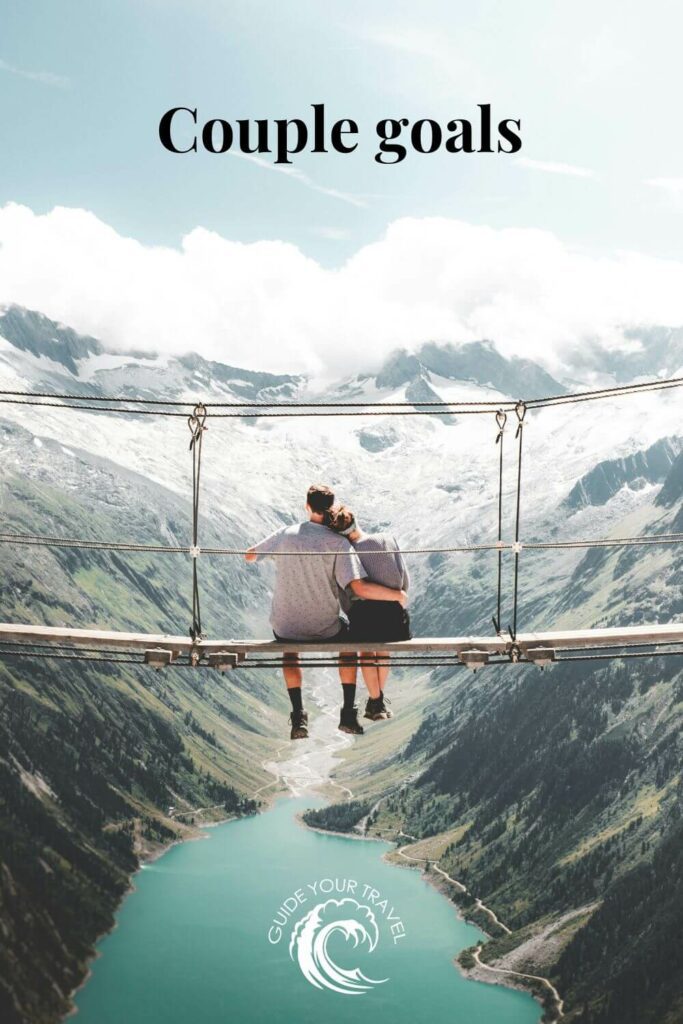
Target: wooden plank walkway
557 640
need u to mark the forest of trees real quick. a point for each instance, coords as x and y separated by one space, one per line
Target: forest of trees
68 850
337 817
547 806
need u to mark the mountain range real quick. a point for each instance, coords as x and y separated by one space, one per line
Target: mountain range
555 796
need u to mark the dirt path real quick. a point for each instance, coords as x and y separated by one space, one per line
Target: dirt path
559 1002
492 916
458 885
195 810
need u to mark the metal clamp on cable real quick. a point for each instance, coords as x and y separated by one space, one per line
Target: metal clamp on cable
515 653
195 551
516 547
520 410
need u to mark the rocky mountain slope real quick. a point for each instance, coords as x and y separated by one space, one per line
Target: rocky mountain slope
530 783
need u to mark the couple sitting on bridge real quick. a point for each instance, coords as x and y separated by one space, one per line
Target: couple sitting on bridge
352 595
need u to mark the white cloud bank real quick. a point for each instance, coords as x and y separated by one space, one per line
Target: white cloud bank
267 306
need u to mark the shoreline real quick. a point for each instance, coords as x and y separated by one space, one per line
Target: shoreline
442 882
298 817
436 878
149 856
509 979
439 881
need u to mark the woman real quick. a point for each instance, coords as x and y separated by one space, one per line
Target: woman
374 621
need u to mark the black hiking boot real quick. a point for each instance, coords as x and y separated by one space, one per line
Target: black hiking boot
376 708
299 720
348 722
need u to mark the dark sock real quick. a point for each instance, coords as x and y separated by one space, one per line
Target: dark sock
349 695
295 697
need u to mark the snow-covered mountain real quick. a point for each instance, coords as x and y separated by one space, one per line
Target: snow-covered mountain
432 480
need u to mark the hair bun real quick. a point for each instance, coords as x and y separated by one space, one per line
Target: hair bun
338 518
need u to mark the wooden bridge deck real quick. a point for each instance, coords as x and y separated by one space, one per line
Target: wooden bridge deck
556 640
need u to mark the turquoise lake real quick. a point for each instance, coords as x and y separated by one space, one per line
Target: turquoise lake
191 942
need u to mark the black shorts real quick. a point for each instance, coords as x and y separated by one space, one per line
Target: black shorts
341 637
378 622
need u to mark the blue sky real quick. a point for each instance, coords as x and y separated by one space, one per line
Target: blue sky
341 259
84 82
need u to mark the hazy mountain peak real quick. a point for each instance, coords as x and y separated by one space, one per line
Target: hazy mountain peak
33 332
652 465
479 362
126 374
400 368
247 383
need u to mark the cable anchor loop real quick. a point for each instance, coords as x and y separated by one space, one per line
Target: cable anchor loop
501 420
520 410
197 423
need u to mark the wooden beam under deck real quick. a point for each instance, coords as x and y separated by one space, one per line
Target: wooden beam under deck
557 640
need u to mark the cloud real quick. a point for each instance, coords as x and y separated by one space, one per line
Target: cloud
674 186
265 305
555 168
45 77
304 179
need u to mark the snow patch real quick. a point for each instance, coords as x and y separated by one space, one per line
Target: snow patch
94 364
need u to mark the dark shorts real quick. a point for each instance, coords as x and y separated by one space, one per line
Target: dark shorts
378 622
341 637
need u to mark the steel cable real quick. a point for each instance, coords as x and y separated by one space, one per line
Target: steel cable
172 407
501 420
41 540
197 424
520 411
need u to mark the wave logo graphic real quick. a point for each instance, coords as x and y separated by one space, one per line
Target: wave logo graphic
312 933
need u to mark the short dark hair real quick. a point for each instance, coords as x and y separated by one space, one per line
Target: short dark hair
319 498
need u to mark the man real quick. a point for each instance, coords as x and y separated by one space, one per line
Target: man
306 599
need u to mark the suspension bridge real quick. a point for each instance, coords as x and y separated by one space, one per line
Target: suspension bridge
195 650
